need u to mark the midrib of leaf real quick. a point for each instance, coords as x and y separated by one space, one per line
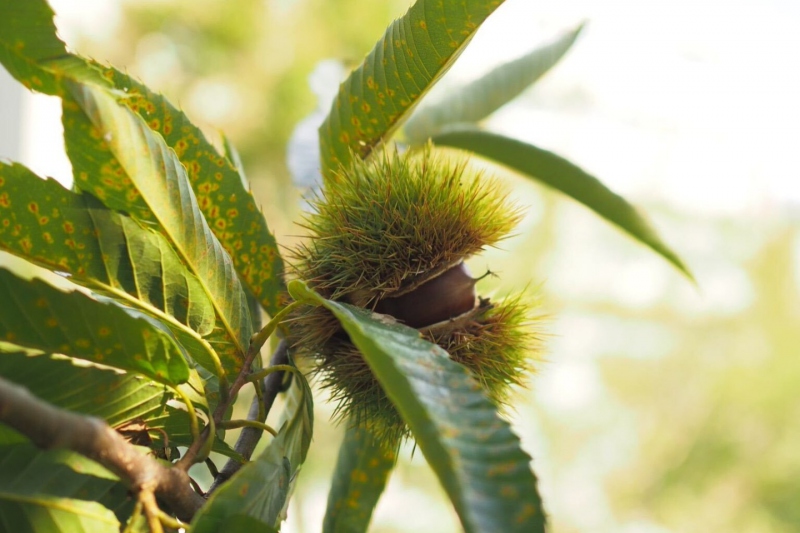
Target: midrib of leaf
156 313
110 117
416 50
72 208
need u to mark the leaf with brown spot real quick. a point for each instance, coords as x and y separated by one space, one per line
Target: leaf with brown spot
362 470
416 50
110 253
38 316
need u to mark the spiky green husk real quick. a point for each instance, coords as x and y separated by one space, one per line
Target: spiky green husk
391 222
382 228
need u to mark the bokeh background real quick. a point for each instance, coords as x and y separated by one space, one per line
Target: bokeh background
660 406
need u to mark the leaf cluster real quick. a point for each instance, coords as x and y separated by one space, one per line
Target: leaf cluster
156 266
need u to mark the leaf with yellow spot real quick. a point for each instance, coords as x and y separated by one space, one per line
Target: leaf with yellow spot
136 160
416 50
113 255
135 344
474 453
29 48
362 470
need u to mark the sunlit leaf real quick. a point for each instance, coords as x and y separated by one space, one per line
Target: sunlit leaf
361 473
39 316
258 493
474 453
223 195
411 56
107 252
477 100
129 168
32 52
555 171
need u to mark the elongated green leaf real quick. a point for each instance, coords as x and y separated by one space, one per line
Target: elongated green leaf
563 176
361 473
259 492
482 97
472 450
39 513
107 252
114 397
27 470
39 316
129 168
223 195
414 52
32 52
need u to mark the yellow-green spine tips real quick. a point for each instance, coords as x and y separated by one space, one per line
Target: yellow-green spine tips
391 234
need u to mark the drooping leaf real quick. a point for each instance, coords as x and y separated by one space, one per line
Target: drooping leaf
39 316
259 492
129 168
361 473
32 52
108 252
411 56
474 453
477 100
34 476
555 171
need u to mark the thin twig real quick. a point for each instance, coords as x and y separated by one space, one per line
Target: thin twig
236 424
49 427
249 437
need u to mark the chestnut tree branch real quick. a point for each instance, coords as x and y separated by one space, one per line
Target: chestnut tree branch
50 427
249 437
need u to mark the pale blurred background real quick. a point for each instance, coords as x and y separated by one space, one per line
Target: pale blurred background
661 407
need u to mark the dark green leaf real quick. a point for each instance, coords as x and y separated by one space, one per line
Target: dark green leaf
107 252
86 389
57 491
260 489
472 450
39 316
116 398
28 473
563 176
479 99
414 52
361 473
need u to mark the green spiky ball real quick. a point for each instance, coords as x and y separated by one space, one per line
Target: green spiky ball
380 231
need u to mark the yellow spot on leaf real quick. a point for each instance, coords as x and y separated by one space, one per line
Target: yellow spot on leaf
51 322
104 332
82 343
